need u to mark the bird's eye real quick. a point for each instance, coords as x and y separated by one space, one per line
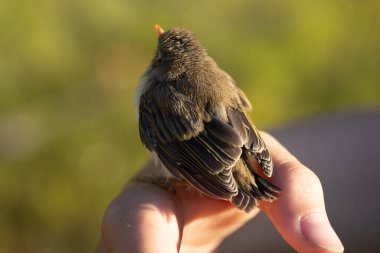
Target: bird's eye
158 57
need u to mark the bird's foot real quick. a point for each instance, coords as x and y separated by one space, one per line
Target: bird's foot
168 184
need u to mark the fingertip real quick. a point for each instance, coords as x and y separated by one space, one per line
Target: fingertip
309 232
318 232
299 214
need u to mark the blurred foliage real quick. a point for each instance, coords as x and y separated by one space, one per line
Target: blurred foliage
68 71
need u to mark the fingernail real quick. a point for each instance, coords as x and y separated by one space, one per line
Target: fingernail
317 230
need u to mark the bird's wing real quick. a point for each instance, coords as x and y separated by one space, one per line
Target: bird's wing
166 115
252 139
206 160
202 149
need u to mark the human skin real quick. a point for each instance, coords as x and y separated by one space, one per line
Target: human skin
145 218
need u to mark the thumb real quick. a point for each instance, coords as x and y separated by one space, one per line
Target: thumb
299 214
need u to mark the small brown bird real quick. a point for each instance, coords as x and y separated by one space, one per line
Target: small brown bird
194 119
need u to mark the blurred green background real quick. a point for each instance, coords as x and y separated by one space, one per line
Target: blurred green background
68 71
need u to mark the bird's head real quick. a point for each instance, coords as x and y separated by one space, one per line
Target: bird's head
178 51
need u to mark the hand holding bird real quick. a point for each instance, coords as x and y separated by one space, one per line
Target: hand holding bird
145 218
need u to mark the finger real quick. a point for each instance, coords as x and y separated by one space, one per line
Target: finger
141 219
299 214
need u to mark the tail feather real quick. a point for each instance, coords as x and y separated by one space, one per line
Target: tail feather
244 201
259 188
247 200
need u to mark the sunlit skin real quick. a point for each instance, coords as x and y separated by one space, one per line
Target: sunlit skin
146 218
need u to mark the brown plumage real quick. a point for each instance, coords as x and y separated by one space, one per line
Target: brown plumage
192 115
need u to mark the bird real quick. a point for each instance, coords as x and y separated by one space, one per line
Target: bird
194 120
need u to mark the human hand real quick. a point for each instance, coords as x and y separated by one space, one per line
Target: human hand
146 218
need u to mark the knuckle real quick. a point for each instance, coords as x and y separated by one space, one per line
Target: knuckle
301 176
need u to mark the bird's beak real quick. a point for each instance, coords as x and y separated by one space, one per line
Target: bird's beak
159 30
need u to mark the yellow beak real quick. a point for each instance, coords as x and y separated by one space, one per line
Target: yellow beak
159 30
